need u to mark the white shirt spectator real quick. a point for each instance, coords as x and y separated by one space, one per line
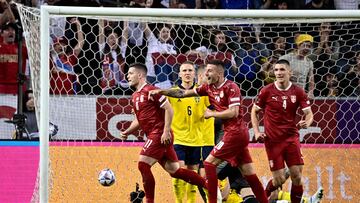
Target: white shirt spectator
155 46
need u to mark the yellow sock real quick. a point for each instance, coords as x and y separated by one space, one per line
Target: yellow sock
190 193
179 189
284 196
234 197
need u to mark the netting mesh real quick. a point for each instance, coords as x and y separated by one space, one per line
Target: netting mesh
89 94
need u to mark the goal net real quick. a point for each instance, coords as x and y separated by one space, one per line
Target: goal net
86 55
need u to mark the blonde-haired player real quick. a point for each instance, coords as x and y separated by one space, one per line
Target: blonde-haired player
190 130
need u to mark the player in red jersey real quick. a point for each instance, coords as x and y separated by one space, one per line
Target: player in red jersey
280 102
225 96
154 118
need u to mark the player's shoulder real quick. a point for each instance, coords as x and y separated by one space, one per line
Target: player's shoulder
230 84
297 88
147 87
268 87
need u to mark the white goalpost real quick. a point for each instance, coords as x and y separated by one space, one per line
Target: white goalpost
52 107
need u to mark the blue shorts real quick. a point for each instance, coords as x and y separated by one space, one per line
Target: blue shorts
205 151
190 155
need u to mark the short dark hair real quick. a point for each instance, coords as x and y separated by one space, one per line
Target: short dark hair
139 66
217 63
284 62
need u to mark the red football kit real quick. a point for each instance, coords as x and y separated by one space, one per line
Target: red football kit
282 136
151 119
234 145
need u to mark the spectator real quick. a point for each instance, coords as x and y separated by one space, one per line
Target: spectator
9 59
277 48
160 74
325 55
63 78
29 111
318 5
281 4
137 49
188 3
236 4
218 49
113 55
264 4
210 4
6 14
350 84
250 53
332 82
30 128
301 65
267 72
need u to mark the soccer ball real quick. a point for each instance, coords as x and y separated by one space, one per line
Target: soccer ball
106 177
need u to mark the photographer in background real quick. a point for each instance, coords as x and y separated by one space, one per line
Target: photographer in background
27 124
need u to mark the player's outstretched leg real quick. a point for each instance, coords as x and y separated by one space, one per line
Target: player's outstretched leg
189 176
148 181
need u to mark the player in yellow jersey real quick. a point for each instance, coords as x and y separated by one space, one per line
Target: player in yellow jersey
189 127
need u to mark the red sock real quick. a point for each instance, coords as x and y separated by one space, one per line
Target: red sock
210 170
270 188
296 193
148 181
257 188
189 176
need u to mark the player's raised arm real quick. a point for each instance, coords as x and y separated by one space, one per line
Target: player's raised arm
231 112
177 93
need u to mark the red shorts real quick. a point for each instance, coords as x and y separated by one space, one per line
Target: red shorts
233 148
280 152
154 149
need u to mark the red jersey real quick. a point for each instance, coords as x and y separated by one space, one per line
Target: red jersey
222 98
280 108
149 113
9 67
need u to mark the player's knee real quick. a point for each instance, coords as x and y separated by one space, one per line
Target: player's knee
296 178
142 166
279 180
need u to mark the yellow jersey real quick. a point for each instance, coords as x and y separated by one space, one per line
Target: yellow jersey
189 125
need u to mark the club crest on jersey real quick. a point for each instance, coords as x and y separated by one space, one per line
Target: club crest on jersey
293 98
197 99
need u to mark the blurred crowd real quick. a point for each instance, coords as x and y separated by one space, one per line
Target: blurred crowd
91 56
